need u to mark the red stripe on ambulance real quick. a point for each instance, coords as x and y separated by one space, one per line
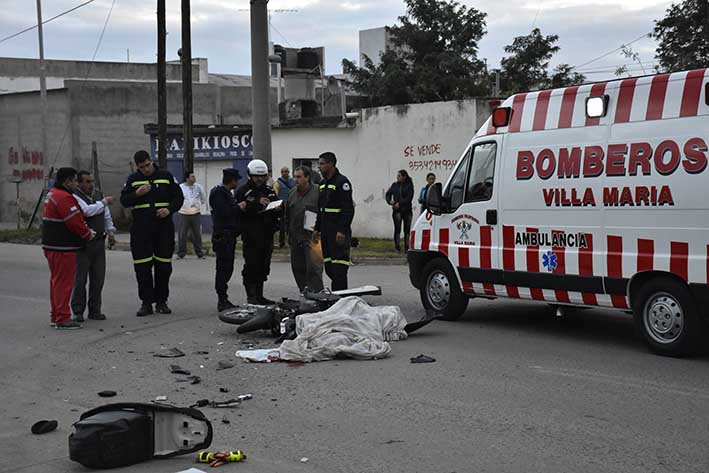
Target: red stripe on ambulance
540 111
625 100
568 102
443 241
412 239
586 268
615 267
533 266
560 251
679 259
517 109
597 90
692 93
464 262
508 256
486 255
425 239
646 255
656 103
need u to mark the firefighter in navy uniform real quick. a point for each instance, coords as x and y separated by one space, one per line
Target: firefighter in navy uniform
226 228
334 222
258 227
154 196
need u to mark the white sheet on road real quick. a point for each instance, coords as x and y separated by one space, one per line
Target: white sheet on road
350 328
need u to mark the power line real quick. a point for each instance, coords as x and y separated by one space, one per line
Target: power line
88 72
646 35
46 21
281 34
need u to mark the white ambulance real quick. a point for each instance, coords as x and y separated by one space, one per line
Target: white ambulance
595 195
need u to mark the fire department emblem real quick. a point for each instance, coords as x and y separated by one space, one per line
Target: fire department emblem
464 227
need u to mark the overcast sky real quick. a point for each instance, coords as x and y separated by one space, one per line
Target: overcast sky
220 31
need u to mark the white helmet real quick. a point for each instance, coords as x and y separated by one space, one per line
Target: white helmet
257 167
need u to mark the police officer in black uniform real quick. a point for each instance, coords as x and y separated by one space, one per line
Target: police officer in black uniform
154 196
334 222
258 227
226 228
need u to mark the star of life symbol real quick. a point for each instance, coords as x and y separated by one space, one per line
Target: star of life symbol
549 261
464 228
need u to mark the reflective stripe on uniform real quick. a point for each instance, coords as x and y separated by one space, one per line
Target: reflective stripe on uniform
331 211
162 204
162 260
332 186
337 261
144 260
141 206
139 183
161 181
322 186
49 219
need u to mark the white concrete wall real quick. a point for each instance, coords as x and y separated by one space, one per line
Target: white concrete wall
419 138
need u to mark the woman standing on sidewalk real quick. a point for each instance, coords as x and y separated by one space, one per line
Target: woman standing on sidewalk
400 196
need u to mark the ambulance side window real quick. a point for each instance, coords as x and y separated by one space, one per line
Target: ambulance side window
482 173
456 187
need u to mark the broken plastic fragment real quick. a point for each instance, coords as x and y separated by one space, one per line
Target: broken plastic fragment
170 353
422 359
175 369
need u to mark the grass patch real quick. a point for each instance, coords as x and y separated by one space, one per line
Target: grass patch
31 236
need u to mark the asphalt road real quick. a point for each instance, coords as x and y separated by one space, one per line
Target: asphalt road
514 389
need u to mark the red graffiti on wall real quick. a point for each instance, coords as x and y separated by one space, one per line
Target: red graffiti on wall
33 162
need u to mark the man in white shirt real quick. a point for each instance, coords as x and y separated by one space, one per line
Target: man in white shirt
91 260
190 216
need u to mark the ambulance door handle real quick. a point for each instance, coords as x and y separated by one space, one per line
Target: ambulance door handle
491 217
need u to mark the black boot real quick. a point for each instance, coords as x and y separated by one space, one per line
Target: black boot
262 300
162 308
252 294
224 304
145 309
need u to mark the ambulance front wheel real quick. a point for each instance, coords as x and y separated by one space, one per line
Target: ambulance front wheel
440 291
667 318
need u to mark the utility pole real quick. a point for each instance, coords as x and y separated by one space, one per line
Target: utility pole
42 88
162 85
187 88
260 82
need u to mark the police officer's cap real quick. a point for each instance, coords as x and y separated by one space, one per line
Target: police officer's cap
230 173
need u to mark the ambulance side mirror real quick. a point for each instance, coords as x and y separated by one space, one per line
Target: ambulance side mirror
434 199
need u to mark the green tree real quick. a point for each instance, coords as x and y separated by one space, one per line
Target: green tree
683 36
526 68
564 76
434 57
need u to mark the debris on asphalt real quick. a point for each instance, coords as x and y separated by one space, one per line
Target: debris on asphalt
201 352
225 420
223 390
44 426
224 365
245 397
176 369
216 404
190 379
304 460
263 355
192 470
170 353
422 359
161 398
220 343
107 393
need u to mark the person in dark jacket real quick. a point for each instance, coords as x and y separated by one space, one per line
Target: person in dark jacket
282 187
302 211
430 180
64 232
154 196
258 227
399 196
334 221
226 228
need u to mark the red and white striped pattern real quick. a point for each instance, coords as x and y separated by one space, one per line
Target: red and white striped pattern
663 96
614 256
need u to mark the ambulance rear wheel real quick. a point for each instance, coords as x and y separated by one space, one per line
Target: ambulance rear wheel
440 291
667 318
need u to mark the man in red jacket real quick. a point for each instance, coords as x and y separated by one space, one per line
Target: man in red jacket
64 232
